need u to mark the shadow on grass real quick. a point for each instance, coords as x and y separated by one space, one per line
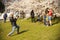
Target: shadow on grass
56 20
21 32
58 38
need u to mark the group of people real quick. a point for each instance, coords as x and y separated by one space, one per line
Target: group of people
47 19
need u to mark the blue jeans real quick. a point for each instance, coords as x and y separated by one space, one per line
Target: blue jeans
44 20
49 18
13 29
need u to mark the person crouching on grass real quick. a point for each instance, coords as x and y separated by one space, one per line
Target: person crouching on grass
14 25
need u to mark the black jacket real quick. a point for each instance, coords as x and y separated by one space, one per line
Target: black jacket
13 21
5 16
32 14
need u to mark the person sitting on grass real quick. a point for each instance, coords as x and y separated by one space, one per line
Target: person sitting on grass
14 24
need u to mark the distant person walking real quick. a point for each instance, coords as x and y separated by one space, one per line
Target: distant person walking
5 17
14 24
32 16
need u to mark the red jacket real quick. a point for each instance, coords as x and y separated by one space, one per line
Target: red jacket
50 12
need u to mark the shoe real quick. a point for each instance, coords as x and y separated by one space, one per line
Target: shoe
8 35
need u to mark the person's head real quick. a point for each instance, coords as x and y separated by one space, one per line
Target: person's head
32 10
11 15
47 8
46 11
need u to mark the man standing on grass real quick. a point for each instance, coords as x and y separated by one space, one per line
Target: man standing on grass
5 17
32 16
14 25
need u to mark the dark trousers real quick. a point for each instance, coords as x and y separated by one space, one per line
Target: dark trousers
38 20
17 29
33 19
44 21
4 20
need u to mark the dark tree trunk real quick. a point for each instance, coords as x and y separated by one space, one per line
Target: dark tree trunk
2 7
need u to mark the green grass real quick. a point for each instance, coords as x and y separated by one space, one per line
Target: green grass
31 31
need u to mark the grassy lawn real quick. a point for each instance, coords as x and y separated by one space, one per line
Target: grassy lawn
31 31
